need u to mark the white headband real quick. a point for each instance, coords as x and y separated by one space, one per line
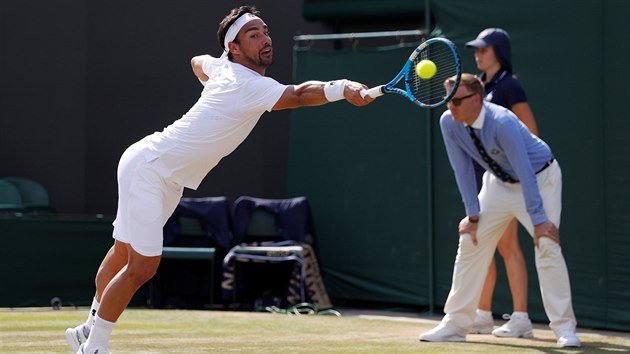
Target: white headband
231 33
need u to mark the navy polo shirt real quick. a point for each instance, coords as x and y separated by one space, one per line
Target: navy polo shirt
504 89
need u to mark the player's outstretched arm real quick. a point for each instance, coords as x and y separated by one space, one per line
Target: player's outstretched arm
316 93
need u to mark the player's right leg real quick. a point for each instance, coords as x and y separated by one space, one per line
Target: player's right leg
114 260
146 201
117 296
116 257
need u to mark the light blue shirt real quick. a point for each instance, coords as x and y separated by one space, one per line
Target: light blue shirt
508 142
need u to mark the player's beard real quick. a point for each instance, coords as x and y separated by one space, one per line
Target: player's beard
259 61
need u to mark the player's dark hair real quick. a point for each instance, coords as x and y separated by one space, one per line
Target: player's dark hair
230 19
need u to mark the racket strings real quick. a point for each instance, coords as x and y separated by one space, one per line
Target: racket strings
431 90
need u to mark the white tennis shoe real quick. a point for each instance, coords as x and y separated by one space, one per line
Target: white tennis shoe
75 337
482 324
568 339
516 327
97 350
441 333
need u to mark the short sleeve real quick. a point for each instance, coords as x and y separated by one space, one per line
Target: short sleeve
513 93
208 64
262 93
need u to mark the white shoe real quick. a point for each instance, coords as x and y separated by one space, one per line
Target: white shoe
75 337
482 325
516 327
568 338
441 333
97 350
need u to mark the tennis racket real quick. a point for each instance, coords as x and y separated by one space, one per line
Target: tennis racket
428 92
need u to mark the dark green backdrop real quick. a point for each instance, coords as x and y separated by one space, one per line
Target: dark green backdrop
354 165
386 205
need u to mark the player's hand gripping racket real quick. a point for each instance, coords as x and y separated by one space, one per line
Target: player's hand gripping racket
429 92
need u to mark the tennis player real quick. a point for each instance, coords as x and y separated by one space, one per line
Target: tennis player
153 172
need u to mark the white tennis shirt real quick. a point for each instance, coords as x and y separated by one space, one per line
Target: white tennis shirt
230 105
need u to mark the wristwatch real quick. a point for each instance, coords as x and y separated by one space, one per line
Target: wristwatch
473 219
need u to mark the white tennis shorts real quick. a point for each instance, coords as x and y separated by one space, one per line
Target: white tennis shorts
145 202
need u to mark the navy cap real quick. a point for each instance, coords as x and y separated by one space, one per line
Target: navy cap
490 36
500 40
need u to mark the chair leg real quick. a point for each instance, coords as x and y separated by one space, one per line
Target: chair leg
212 282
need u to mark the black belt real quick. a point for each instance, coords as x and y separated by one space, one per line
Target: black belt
547 164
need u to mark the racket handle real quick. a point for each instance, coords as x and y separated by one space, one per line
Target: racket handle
373 92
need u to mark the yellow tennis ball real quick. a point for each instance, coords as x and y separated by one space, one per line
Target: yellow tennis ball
426 69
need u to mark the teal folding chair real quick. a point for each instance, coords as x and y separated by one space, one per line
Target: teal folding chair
10 199
35 198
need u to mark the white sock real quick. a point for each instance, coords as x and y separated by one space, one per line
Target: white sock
100 333
484 313
520 315
87 327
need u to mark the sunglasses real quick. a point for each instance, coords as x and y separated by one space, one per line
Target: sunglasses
457 101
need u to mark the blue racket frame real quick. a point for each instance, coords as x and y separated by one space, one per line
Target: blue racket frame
405 72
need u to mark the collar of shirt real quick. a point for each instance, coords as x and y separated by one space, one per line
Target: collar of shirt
478 123
495 79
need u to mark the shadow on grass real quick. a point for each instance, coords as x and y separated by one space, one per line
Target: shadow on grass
587 347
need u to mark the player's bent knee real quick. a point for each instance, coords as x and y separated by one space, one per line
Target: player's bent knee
141 271
141 276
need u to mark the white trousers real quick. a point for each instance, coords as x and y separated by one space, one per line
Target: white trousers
499 203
